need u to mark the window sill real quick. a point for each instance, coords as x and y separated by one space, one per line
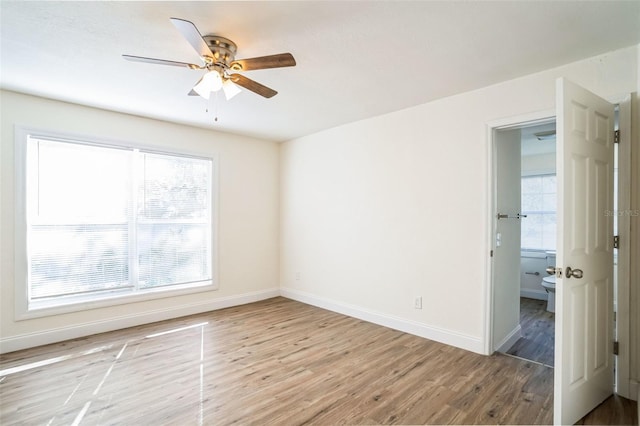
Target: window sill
85 303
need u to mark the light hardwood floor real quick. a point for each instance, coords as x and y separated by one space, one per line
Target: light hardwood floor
271 362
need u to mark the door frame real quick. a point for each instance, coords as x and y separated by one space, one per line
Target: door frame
623 300
623 103
531 119
546 117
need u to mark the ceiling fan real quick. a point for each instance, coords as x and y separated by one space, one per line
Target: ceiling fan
218 56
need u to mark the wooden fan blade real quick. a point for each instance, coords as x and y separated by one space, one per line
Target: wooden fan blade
161 62
193 36
264 62
254 86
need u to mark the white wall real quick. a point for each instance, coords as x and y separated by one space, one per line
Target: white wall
376 212
539 164
531 285
506 255
248 217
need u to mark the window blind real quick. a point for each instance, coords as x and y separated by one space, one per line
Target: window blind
104 219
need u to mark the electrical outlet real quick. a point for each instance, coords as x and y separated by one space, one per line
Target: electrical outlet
297 276
417 302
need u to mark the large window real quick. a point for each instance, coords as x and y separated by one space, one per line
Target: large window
106 222
539 205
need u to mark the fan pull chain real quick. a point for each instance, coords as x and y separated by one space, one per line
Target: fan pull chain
215 107
214 101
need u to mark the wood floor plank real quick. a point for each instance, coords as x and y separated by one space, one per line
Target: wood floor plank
275 362
615 410
538 332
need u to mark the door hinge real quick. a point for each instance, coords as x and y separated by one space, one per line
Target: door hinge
491 253
616 348
616 241
616 136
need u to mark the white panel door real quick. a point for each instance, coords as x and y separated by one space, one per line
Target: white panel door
583 375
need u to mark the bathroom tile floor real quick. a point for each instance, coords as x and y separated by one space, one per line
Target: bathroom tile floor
538 332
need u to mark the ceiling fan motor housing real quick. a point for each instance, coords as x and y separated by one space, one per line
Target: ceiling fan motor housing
223 49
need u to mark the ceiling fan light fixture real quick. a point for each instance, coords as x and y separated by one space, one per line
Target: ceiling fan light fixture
230 89
211 82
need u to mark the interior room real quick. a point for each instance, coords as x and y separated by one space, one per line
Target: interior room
303 212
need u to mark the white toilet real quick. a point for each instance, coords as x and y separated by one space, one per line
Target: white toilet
549 283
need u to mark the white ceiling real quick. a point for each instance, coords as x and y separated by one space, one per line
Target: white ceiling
355 59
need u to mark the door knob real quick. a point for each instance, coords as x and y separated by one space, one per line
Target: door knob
551 270
575 273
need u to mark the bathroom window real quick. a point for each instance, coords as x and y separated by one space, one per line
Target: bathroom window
539 205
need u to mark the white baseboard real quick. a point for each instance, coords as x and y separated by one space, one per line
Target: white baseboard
533 294
509 340
447 337
30 340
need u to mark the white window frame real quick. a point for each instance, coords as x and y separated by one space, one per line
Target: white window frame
542 212
23 310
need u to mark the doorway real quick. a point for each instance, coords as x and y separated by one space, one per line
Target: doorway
525 328
535 183
525 183
503 327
